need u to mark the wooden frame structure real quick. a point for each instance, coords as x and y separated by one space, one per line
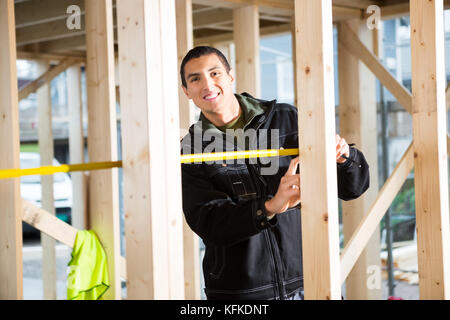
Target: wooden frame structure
167 252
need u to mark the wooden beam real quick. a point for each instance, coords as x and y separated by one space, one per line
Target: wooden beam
246 41
397 10
228 37
315 86
360 4
356 244
206 19
25 55
76 147
430 159
351 43
31 13
47 31
102 135
45 78
45 141
11 270
286 7
185 41
151 164
46 222
357 109
56 228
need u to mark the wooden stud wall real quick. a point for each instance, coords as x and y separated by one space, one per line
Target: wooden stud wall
430 156
246 40
76 147
45 141
357 111
185 41
102 135
11 269
151 159
315 87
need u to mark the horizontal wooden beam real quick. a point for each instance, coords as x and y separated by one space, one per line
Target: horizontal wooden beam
285 7
360 4
228 37
46 78
401 9
56 228
351 42
25 55
368 225
47 31
30 13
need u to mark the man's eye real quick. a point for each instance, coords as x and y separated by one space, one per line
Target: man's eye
194 79
215 74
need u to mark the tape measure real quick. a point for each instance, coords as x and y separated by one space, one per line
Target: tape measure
185 159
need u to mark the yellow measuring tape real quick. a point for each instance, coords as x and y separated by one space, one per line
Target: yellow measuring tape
187 158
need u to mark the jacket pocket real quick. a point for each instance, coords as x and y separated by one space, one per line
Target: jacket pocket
234 180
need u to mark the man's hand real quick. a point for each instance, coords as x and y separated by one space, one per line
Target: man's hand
288 193
342 148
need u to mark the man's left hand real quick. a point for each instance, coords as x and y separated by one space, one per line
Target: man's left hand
342 148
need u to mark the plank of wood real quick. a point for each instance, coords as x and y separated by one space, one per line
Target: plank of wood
56 228
45 141
369 224
351 42
357 109
45 78
76 147
246 41
315 86
102 135
151 164
430 133
11 275
185 39
396 10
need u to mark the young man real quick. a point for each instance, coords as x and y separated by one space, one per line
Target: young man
248 214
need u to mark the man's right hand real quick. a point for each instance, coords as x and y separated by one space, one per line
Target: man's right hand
288 194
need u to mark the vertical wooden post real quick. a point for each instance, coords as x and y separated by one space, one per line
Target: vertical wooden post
102 134
430 156
357 111
151 149
246 40
185 41
45 140
76 146
294 60
11 270
315 86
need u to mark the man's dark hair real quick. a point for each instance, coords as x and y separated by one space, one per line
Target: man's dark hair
198 52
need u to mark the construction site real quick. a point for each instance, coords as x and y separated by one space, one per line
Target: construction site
92 112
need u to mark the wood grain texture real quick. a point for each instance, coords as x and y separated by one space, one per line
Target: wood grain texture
10 214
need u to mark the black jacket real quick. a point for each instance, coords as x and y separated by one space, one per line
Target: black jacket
248 256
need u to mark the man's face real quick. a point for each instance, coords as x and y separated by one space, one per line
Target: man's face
208 84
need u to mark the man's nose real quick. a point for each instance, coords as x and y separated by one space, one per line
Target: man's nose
208 83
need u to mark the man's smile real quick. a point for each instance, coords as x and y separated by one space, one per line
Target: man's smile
211 96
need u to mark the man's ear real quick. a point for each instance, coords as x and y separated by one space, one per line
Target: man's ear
185 91
231 74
